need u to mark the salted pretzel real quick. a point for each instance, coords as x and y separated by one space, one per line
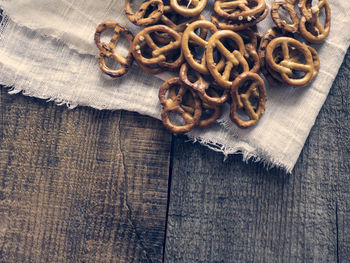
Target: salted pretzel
202 87
210 113
189 36
139 18
255 89
159 54
173 104
108 50
287 5
239 9
191 9
237 25
234 58
287 66
310 26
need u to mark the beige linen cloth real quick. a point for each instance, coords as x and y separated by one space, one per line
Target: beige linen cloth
47 51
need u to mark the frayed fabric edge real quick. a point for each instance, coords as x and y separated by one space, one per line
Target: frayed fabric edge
247 155
59 102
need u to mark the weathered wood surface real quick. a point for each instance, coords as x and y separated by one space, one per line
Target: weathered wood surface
80 185
234 212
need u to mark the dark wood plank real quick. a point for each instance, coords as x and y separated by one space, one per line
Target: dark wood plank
80 185
234 212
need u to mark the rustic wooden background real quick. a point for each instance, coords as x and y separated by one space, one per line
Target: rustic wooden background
97 186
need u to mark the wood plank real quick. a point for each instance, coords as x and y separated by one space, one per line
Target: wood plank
235 212
80 185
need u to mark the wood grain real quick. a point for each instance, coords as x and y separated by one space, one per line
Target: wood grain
234 212
80 185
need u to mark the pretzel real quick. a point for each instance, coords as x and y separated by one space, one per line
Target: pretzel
193 8
286 66
237 25
109 49
239 9
139 18
310 26
282 24
158 53
234 58
273 79
189 36
173 104
255 89
202 87
210 113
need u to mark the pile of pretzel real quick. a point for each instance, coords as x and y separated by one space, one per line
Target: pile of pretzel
218 61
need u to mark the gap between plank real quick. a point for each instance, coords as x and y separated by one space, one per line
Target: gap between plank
169 188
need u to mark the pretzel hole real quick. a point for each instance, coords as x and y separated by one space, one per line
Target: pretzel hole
173 55
254 101
146 51
186 3
242 115
207 113
150 9
284 15
112 63
107 35
197 52
123 46
176 119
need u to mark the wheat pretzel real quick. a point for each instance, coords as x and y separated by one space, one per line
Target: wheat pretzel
109 49
286 67
189 36
281 23
173 104
158 53
139 18
310 25
256 89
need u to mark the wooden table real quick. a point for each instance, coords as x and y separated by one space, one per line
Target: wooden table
85 185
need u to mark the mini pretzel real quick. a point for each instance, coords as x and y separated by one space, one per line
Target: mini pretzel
239 9
310 26
233 58
255 89
273 79
202 87
193 8
139 18
109 49
210 113
190 36
158 53
237 25
287 65
174 105
282 24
